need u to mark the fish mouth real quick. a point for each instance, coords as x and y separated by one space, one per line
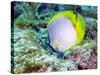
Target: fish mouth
56 48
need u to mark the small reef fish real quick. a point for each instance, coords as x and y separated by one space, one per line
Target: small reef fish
65 30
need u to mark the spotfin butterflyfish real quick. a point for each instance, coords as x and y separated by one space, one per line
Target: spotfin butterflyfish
65 30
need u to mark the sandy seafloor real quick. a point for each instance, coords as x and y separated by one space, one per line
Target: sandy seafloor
29 32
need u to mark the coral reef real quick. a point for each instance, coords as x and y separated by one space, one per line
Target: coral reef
85 56
30 43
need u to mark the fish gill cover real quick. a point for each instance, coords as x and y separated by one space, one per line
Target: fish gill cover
52 37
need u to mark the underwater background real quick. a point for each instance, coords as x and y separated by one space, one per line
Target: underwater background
30 50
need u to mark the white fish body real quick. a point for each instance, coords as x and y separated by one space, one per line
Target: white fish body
62 34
